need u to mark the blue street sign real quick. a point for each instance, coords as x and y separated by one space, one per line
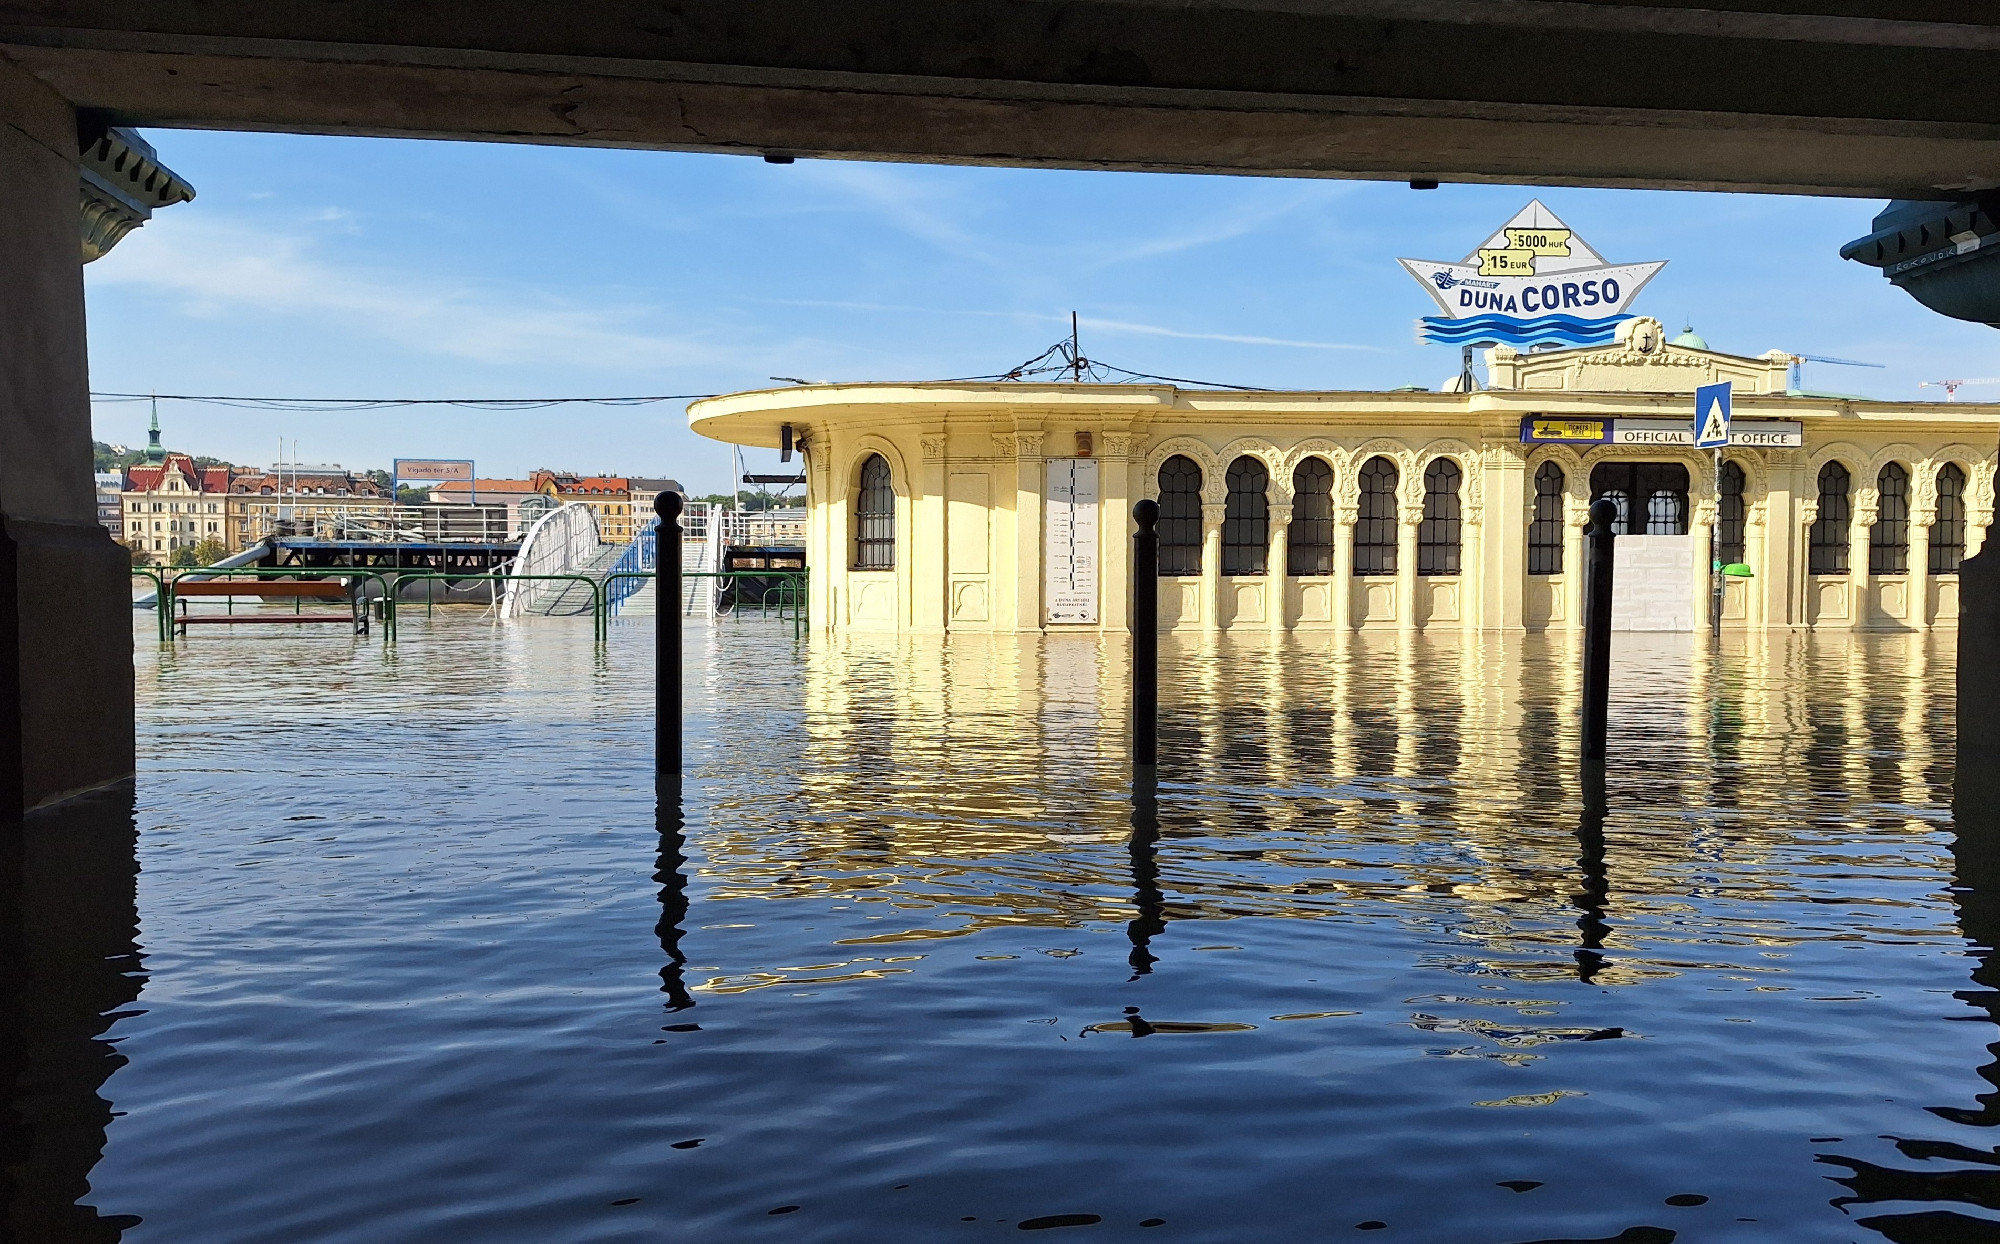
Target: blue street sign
1711 416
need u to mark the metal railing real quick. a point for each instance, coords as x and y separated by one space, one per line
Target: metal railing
600 622
789 589
164 593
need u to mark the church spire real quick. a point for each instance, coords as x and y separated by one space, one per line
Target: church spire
155 452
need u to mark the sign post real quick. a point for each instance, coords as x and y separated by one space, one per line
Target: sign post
1711 431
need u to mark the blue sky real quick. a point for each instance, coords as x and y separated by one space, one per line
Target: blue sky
329 267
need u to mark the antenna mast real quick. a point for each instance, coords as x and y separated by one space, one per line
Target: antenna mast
1075 351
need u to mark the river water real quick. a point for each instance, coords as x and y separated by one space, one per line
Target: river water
415 955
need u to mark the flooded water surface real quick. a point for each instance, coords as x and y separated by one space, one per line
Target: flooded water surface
418 957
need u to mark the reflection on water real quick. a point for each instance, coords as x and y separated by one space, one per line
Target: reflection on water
908 956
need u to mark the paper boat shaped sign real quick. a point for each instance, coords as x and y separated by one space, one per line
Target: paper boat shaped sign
1533 281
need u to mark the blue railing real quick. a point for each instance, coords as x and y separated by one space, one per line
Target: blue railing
641 554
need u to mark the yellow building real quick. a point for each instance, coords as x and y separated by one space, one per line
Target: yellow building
1006 506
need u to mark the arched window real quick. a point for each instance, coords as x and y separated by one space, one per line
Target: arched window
1246 519
1889 538
1375 522
1309 540
1729 515
1827 541
1652 497
1948 530
875 517
1180 516
1438 533
1545 530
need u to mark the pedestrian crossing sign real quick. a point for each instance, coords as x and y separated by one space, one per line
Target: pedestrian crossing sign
1711 416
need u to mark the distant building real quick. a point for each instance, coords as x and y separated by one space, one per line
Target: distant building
174 503
110 502
523 500
645 493
608 496
304 499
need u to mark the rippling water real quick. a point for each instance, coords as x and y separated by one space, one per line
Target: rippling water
417 957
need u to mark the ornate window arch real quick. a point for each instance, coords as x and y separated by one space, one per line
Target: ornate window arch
1246 517
1827 538
1889 536
1439 533
1948 528
1180 516
1732 512
1309 539
1375 522
875 515
1546 529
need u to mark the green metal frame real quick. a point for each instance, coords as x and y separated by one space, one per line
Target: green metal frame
161 600
790 588
166 599
600 625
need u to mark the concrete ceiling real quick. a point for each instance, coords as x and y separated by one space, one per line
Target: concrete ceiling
1884 98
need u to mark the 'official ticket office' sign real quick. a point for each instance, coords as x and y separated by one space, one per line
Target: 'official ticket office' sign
1666 433
1069 553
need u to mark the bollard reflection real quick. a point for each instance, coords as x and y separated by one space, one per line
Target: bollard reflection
71 964
672 858
1151 919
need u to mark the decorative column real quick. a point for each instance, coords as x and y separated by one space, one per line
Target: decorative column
1917 608
929 583
1345 512
1114 531
1576 516
1857 557
1501 555
1776 557
1801 599
1406 566
1701 526
1755 603
1211 564
1978 507
1277 610
1028 506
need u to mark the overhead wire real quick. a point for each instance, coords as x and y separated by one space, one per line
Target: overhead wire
330 404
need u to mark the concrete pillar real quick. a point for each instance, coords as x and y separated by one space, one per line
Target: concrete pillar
1702 529
1977 788
1858 581
929 582
1576 516
1211 564
1276 610
66 715
1406 567
1343 567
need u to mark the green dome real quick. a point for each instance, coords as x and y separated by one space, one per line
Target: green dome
1689 339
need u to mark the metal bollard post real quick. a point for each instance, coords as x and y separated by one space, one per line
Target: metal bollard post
1146 637
667 637
1598 559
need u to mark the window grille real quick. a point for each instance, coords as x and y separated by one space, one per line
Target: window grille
1948 529
1729 515
1889 538
1827 541
1652 493
1246 518
1545 530
1180 516
1375 521
875 517
1309 540
1438 533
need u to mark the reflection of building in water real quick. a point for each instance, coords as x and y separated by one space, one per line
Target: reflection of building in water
972 783
1003 506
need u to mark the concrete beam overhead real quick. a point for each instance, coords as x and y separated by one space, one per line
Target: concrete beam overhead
1846 97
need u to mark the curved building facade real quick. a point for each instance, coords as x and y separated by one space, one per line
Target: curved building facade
1007 506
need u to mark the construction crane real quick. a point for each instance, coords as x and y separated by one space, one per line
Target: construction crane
1951 387
1796 379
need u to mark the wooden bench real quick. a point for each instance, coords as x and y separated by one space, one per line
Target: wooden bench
298 590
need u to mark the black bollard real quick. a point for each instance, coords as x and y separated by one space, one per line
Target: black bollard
1598 558
1146 637
667 635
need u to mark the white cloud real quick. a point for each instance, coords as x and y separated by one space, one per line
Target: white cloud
216 267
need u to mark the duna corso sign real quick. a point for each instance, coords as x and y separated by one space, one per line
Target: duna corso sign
1533 281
